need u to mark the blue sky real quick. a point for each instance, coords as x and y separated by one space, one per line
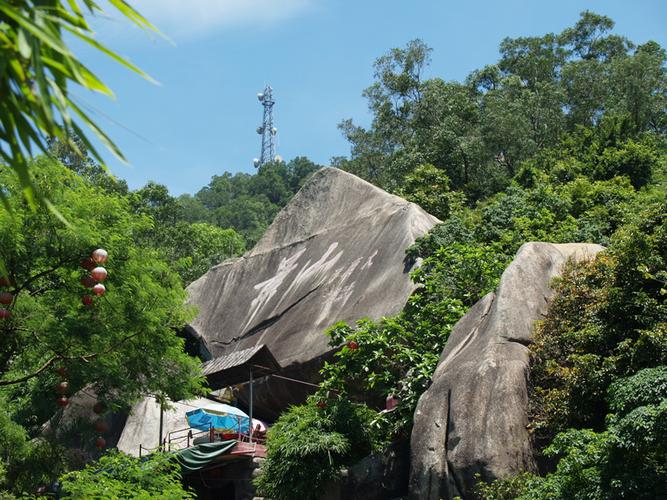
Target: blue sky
316 54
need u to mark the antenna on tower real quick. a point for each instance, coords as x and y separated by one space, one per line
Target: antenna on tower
266 130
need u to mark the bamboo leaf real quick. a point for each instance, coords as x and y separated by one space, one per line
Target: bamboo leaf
52 208
98 132
74 5
42 33
133 15
110 53
23 44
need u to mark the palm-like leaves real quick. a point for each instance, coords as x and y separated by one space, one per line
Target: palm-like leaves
36 67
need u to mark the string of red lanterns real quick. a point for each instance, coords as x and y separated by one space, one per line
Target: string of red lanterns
98 273
6 299
93 282
101 425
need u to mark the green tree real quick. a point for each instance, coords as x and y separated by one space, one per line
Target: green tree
481 132
308 446
248 203
124 345
117 475
192 249
74 155
393 100
428 186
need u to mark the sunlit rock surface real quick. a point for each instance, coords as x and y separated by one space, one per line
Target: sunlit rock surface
473 418
143 426
336 252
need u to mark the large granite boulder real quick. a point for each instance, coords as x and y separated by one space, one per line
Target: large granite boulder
473 419
336 252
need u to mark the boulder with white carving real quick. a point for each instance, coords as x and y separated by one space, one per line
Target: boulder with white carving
335 253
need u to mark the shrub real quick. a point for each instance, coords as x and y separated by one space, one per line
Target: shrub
309 445
117 475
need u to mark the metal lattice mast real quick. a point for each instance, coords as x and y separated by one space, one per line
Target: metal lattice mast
267 130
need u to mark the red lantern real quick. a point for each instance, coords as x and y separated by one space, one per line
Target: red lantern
88 264
99 407
88 281
101 426
100 255
352 345
99 274
62 401
4 313
6 298
62 371
87 300
99 289
100 442
5 281
321 404
62 387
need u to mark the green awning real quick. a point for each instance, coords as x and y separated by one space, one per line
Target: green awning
201 455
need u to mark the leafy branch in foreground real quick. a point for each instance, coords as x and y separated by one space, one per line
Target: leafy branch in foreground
36 69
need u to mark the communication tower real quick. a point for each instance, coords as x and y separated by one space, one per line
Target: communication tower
267 130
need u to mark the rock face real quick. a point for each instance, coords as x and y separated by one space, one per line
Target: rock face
143 426
336 252
473 418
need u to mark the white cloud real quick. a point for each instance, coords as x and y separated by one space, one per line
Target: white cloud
186 18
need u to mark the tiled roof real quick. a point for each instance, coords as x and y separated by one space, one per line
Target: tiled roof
234 368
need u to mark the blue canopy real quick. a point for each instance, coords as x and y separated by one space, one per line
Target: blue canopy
222 418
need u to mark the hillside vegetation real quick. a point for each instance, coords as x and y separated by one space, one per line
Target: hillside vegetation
562 140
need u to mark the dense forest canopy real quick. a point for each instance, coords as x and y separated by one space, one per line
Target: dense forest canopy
480 131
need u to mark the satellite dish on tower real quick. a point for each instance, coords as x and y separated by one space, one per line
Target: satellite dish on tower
260 96
256 162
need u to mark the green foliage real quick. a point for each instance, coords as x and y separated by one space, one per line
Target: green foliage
125 345
578 210
480 132
647 386
627 460
248 203
428 187
599 397
117 475
74 155
308 446
194 248
397 356
607 320
25 463
37 68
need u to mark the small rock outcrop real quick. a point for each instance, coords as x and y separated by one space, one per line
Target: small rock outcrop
473 419
336 252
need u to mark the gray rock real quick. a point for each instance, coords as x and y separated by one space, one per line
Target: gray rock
380 475
141 433
473 419
336 252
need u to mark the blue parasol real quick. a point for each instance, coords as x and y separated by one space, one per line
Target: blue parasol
220 418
